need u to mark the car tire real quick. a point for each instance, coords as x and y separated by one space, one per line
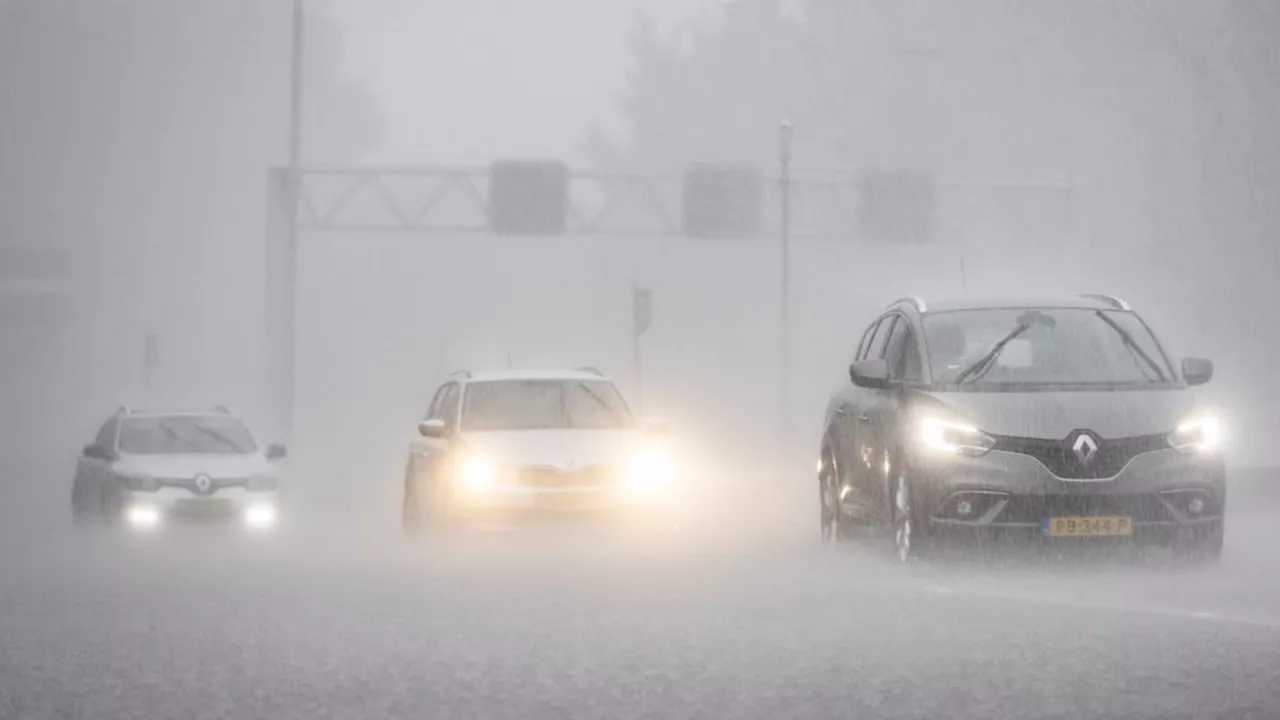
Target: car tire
1203 547
412 521
830 527
81 514
908 535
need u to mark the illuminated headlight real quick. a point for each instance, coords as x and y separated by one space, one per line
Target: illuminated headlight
477 474
953 438
650 472
260 516
1200 434
142 517
141 483
263 483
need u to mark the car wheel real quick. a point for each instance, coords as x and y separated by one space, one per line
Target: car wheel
411 515
829 500
910 542
81 515
1203 547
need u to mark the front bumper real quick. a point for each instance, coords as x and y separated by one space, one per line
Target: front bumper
1163 495
517 503
228 506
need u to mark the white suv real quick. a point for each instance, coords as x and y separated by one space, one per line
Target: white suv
515 445
149 468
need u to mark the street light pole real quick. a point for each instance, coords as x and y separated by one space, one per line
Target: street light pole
293 191
784 329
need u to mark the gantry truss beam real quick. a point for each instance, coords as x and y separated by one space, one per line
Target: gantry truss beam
452 200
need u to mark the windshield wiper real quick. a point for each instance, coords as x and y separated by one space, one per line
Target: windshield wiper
219 437
986 362
1132 346
600 401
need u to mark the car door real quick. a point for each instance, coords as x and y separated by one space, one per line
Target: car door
887 412
431 455
852 437
93 469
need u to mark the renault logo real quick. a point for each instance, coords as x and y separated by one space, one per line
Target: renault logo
203 483
1085 448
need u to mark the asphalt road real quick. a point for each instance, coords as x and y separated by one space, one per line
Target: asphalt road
338 622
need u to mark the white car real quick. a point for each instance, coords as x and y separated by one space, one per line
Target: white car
147 469
522 445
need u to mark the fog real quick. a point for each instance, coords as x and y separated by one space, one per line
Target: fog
1084 147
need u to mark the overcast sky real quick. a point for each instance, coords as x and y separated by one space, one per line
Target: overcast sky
463 81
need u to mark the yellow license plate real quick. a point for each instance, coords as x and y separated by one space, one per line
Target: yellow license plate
568 501
1088 526
204 506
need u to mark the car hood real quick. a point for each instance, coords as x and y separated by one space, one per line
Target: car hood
554 448
217 467
1055 415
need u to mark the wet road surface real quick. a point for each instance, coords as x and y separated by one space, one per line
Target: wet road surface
344 623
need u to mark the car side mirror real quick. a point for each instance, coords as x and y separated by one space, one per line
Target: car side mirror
433 428
276 452
657 426
1197 371
97 453
871 373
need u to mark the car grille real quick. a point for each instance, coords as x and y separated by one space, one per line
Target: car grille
1033 509
549 477
189 483
1061 460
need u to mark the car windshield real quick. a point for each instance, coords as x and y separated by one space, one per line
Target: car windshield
1019 348
544 405
185 434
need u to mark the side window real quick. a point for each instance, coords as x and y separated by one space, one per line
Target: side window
449 406
106 439
875 349
866 340
433 411
902 354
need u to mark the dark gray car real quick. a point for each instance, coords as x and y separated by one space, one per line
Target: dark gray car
1063 421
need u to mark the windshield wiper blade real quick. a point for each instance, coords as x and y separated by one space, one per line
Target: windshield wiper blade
1134 348
980 368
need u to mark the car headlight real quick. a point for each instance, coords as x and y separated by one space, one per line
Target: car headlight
141 482
265 482
1198 434
260 515
477 474
651 471
950 437
142 516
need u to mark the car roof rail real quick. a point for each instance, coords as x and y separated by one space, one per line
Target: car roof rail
914 300
1111 300
590 369
123 410
222 409
464 373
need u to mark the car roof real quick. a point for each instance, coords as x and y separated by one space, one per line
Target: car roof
497 375
951 304
127 411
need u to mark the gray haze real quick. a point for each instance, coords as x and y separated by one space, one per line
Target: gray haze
1088 146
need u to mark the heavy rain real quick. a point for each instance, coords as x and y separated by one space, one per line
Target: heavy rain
639 358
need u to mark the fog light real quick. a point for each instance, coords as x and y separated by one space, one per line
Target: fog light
143 517
1196 506
260 516
964 508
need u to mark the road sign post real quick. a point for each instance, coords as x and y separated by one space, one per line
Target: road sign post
641 320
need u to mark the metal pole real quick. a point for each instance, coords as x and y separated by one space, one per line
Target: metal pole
784 330
639 371
290 291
